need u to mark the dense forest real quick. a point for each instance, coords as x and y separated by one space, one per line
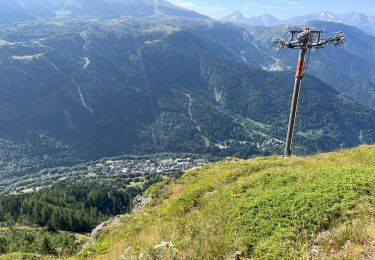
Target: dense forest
77 208
55 220
28 240
49 221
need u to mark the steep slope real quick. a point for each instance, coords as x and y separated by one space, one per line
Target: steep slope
321 110
70 84
267 208
84 89
81 89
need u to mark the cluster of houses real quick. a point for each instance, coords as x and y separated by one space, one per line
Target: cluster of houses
272 142
154 166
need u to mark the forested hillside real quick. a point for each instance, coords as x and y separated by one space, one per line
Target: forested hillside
53 212
55 220
76 208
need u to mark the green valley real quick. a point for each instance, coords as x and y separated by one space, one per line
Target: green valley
79 89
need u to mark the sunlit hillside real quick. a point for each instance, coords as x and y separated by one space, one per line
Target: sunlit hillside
320 207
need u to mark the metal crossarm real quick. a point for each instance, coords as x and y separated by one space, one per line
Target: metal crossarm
303 40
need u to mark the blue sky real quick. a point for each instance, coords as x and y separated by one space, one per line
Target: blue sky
279 8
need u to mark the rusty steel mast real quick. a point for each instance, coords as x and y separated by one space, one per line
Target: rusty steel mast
304 40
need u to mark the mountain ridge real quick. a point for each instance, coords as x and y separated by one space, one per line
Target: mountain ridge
163 85
18 10
239 17
362 21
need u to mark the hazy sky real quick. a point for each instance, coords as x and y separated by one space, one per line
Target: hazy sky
279 8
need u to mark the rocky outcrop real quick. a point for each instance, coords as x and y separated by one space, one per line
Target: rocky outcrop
98 229
140 202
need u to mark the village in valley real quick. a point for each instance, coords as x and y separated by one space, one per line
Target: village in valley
152 166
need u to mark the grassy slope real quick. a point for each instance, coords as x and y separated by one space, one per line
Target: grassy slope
272 208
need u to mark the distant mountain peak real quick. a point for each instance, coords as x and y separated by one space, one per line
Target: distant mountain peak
239 17
238 13
360 20
268 20
326 13
268 16
236 17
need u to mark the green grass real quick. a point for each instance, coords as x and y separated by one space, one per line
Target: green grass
268 208
20 256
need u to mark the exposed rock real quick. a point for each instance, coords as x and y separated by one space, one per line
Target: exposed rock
164 245
368 255
238 255
98 229
140 202
316 249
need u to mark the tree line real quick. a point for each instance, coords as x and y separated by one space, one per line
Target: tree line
77 208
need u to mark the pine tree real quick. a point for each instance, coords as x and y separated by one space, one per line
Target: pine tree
50 227
46 248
